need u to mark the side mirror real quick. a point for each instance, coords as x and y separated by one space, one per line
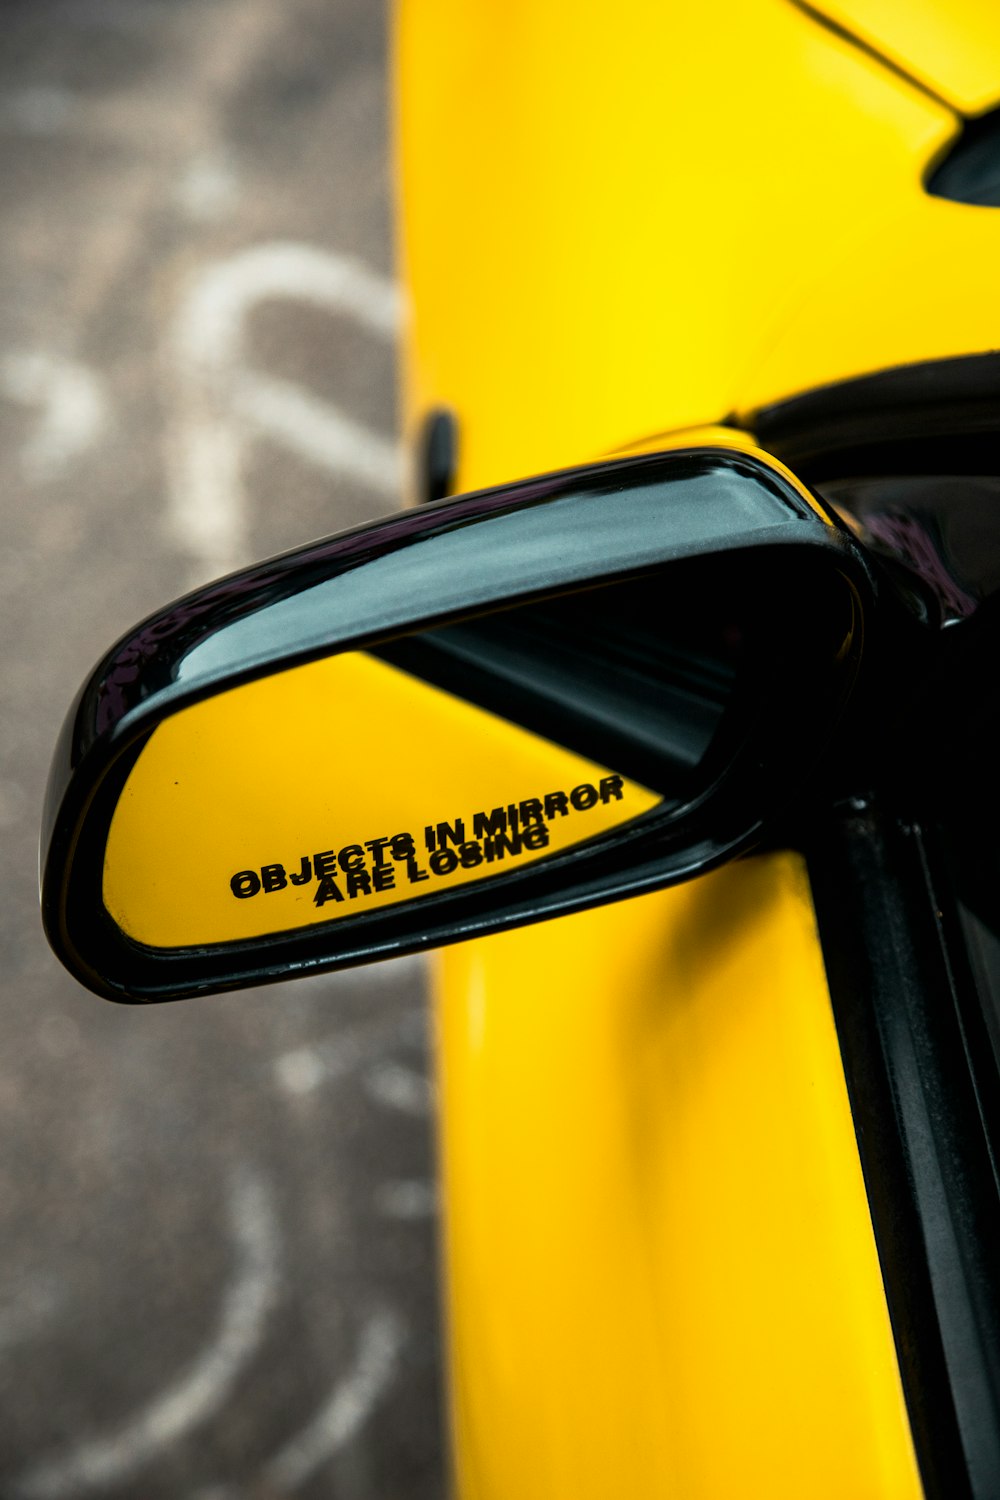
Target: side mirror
485 712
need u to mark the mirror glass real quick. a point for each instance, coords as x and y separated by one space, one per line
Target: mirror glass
372 777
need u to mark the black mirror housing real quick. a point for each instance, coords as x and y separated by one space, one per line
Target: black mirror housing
668 638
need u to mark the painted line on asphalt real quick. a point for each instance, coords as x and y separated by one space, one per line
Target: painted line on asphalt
398 1087
315 430
205 1386
348 1407
301 1070
221 403
352 1401
72 403
406 1198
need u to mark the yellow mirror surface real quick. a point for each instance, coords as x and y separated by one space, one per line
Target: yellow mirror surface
332 789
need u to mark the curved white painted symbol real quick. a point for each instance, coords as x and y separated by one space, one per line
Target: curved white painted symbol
349 1405
222 402
399 1087
72 405
204 1387
301 1070
406 1198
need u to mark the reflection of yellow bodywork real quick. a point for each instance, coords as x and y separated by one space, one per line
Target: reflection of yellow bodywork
623 221
289 801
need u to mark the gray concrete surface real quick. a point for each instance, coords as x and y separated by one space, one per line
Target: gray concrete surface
217 1228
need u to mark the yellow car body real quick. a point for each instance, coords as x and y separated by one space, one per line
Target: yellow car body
628 227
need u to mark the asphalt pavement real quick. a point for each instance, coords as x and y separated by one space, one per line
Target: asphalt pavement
217 1219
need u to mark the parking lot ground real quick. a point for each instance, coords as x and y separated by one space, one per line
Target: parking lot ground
217 1220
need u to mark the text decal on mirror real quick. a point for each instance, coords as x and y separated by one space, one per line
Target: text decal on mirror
375 866
252 813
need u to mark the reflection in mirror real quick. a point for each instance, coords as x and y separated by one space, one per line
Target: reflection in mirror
370 778
336 787
636 675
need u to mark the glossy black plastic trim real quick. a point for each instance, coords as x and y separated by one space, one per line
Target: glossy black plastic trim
443 562
969 171
861 425
437 458
909 456
887 934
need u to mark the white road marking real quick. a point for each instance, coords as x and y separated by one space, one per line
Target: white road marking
408 1198
318 431
205 1386
211 321
204 463
209 186
350 1404
73 405
301 1070
400 1088
221 402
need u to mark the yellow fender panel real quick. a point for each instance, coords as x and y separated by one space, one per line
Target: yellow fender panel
614 213
662 1279
952 49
